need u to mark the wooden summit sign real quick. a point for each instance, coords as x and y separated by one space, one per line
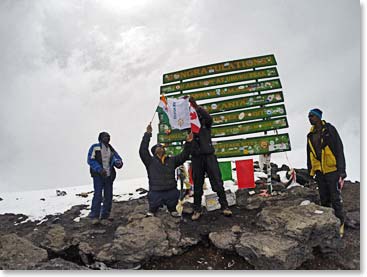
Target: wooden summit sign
231 130
225 79
250 102
219 68
244 147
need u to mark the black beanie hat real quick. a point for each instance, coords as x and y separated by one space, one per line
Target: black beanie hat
102 134
154 147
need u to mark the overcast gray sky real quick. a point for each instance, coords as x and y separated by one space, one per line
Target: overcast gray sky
70 69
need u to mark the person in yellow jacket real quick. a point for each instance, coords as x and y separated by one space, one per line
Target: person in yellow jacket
325 161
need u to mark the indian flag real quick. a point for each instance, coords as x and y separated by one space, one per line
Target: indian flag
162 109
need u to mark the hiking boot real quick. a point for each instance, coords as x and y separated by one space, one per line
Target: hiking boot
175 214
95 221
106 222
227 212
341 231
196 216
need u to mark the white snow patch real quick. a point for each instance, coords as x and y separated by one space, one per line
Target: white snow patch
29 203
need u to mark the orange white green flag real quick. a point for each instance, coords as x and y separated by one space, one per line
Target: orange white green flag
162 109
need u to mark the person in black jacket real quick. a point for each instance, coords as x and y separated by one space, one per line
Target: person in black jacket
161 173
204 161
325 161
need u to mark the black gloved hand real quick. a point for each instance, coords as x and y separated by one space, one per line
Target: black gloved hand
103 172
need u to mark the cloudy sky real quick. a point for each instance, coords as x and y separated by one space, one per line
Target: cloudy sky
70 69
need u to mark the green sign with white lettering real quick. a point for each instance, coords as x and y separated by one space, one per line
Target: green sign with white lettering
238 116
252 97
245 147
231 130
244 102
232 90
219 68
221 80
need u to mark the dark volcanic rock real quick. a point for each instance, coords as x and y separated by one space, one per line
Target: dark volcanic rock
264 232
19 253
266 250
55 239
58 264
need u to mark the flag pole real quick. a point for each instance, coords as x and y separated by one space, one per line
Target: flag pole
153 117
155 111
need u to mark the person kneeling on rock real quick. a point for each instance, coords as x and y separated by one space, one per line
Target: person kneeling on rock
161 173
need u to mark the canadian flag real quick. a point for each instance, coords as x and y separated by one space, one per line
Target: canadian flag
194 120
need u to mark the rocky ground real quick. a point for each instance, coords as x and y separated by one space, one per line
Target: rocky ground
273 232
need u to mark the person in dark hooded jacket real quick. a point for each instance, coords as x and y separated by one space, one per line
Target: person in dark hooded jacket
326 161
161 173
204 161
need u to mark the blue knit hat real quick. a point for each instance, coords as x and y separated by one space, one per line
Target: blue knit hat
316 112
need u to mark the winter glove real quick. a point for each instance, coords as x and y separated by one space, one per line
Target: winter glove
342 175
103 172
118 164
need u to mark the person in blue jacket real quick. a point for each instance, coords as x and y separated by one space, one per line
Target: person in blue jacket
102 159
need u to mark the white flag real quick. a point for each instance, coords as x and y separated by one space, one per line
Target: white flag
179 113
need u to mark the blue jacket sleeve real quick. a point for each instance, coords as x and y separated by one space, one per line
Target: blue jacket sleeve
96 166
115 159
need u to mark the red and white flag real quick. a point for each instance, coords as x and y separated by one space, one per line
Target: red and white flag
194 120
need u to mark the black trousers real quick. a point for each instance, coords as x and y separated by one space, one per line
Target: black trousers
330 194
207 164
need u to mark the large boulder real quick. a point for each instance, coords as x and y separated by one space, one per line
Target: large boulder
138 240
225 240
263 250
19 253
312 225
267 250
55 239
300 222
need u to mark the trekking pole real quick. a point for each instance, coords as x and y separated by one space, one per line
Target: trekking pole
182 196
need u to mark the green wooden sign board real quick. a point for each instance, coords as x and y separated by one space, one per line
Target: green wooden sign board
238 116
217 68
249 114
231 130
232 90
220 80
231 117
244 102
245 147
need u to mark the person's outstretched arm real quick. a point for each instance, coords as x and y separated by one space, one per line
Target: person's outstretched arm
185 154
143 150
